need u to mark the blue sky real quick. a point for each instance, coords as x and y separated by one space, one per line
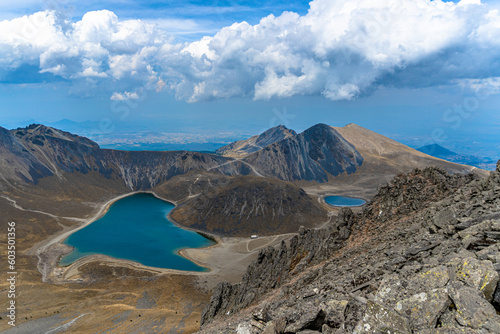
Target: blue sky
417 71
188 20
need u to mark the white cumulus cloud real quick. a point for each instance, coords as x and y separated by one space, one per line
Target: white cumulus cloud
339 49
124 96
98 47
483 87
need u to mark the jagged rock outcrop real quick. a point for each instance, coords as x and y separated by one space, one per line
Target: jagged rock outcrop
414 191
427 267
242 148
249 205
273 267
17 163
312 155
38 151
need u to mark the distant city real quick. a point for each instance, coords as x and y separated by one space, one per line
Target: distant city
162 141
209 142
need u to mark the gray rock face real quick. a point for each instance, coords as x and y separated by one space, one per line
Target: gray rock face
380 319
477 274
39 151
473 310
411 271
18 163
274 267
250 205
423 309
256 143
312 155
144 169
496 298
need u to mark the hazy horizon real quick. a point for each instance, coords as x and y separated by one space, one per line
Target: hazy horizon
419 73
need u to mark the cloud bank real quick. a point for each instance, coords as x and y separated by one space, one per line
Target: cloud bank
339 49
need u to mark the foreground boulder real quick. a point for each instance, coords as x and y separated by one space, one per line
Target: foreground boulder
423 257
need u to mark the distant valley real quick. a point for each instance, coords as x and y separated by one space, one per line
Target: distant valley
439 151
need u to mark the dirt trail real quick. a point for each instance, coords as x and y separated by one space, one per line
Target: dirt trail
17 206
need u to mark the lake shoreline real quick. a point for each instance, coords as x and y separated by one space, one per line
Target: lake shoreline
54 248
323 200
226 260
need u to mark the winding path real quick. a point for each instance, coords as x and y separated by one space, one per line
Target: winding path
17 206
238 160
261 246
64 326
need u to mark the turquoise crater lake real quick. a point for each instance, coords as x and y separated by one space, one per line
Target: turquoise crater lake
344 201
136 228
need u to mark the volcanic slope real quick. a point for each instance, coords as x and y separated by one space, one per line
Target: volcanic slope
242 148
322 154
38 151
313 155
383 154
422 257
249 205
17 162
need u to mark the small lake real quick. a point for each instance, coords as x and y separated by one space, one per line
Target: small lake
136 228
344 201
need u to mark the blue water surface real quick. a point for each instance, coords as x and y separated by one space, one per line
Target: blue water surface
136 228
344 201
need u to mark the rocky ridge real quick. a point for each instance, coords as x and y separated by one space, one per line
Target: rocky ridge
245 147
20 161
320 154
52 152
312 155
423 257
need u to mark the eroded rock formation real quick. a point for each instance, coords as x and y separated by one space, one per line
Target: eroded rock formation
249 205
423 257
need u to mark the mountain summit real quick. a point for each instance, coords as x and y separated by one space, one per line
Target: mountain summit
245 147
312 155
350 155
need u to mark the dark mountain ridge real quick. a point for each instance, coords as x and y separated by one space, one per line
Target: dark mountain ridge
422 257
245 147
53 152
312 155
249 205
319 154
